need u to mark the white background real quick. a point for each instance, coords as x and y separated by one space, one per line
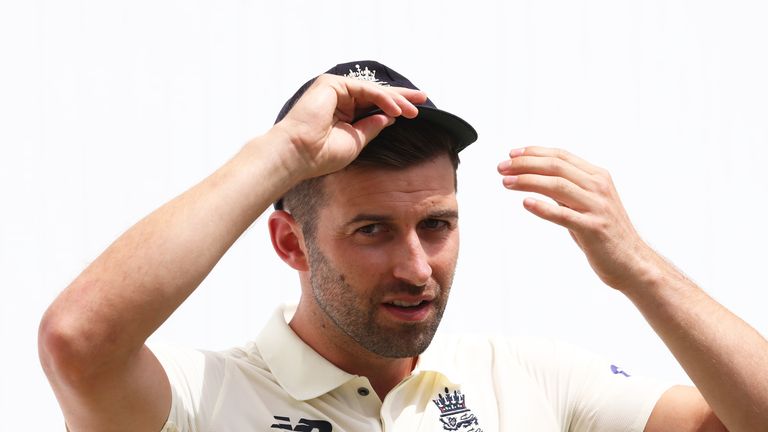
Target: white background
108 109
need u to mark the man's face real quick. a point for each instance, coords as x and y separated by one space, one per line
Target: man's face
384 254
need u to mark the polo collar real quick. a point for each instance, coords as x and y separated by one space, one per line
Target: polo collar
299 369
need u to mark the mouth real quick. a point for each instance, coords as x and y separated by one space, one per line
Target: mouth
408 310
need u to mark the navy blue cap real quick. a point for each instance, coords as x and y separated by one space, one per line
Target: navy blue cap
367 70
373 71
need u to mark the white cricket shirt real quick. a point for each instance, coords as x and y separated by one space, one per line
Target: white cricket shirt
466 384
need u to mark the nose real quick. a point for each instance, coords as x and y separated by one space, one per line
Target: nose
411 262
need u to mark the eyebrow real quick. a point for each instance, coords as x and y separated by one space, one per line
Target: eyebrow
444 214
371 217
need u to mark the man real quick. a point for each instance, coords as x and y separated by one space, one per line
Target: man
373 234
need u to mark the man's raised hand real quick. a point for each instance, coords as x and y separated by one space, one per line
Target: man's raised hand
589 207
320 126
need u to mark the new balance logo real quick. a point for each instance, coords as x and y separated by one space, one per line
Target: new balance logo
617 370
304 425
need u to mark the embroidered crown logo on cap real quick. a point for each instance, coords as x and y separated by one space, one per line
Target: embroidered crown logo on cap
365 75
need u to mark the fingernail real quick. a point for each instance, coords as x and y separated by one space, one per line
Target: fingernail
509 180
505 165
529 202
516 152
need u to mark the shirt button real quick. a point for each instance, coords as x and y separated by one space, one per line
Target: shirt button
362 391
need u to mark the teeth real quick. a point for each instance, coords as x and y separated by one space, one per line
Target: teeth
404 303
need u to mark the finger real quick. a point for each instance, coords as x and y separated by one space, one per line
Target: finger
401 95
560 215
556 153
369 127
415 96
407 99
407 107
559 189
394 101
547 166
355 98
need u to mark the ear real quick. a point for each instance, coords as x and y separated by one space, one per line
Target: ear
288 240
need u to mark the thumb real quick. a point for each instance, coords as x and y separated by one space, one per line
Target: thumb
369 127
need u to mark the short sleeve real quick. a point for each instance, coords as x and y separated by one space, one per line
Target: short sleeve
587 392
196 379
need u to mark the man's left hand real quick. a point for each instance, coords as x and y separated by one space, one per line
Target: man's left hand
588 206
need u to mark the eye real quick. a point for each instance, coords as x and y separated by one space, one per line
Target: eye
434 224
370 230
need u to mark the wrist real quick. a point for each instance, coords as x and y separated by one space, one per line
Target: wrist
284 145
261 171
654 277
276 148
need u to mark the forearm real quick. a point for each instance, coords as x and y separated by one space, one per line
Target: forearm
107 313
725 358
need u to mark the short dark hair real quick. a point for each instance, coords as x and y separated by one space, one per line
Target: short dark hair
405 144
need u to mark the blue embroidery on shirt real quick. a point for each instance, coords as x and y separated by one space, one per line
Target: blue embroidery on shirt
617 370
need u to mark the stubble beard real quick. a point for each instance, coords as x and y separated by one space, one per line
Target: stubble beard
355 316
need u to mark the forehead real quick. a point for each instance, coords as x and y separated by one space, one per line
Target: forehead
377 190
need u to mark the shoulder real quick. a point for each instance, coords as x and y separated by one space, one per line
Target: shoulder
198 378
197 365
581 388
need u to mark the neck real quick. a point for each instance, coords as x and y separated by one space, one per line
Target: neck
322 335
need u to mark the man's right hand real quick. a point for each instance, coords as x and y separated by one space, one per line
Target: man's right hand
320 125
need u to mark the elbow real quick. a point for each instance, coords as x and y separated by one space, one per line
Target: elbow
62 349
